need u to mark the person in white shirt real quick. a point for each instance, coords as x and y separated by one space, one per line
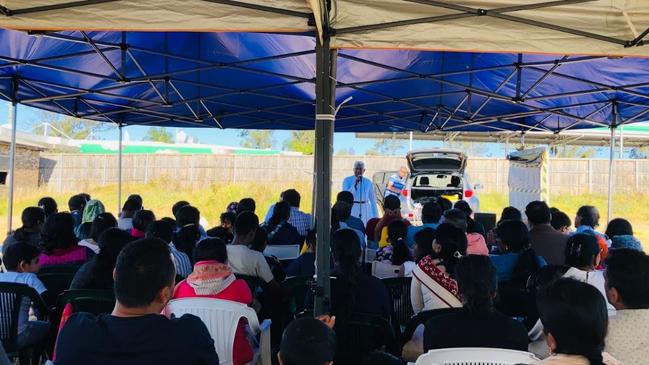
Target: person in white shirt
363 190
583 256
627 289
242 259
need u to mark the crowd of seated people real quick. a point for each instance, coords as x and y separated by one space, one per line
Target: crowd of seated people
467 287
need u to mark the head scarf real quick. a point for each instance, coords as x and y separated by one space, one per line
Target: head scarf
92 210
210 277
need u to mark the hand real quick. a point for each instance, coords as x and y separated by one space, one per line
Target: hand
330 321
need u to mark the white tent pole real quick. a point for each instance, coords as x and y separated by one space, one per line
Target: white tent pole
119 170
609 214
410 146
621 142
13 110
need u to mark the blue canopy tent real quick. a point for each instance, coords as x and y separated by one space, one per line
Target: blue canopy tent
286 81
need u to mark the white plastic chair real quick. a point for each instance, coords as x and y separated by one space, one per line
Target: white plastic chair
370 254
382 270
221 317
476 356
283 252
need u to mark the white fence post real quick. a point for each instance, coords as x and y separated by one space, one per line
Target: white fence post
590 176
636 174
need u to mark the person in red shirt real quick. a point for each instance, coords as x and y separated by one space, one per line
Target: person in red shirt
392 212
213 278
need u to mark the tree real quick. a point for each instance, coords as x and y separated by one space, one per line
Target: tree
257 139
639 153
155 134
574 151
385 147
301 141
66 126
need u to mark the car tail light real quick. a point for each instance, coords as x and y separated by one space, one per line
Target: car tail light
404 192
468 193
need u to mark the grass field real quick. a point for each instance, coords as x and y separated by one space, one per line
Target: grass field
160 196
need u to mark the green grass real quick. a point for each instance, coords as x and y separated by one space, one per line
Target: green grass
159 196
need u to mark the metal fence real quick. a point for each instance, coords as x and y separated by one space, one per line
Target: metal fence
75 171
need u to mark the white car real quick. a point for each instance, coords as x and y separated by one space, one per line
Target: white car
433 173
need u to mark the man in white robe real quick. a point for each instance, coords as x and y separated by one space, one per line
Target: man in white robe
363 190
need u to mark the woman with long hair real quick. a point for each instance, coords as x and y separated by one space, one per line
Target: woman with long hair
583 256
354 291
98 272
478 323
60 244
575 323
433 284
280 231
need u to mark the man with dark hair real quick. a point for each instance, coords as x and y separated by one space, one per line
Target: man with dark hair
177 206
430 216
48 205
545 240
246 205
138 199
627 289
587 221
298 219
164 231
241 258
135 333
307 341
561 222
76 205
352 222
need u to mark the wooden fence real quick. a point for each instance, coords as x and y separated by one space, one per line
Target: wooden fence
67 172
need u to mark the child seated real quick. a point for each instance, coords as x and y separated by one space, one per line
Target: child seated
21 263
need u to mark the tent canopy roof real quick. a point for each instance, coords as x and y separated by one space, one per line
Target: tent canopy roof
266 81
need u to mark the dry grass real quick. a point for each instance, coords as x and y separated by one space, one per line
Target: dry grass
160 196
633 208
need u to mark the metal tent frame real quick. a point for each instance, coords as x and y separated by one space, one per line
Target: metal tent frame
451 100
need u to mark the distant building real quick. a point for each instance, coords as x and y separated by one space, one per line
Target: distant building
27 163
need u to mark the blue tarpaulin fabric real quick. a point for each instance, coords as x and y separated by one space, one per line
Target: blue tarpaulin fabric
266 81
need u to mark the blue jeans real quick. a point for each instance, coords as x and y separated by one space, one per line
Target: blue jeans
33 333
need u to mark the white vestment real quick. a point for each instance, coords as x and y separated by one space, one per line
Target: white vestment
364 198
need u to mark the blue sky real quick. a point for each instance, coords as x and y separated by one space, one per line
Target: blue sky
27 117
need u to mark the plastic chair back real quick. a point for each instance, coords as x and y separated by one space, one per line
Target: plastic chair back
11 296
294 290
86 300
283 252
383 271
399 289
370 254
56 269
360 335
56 283
476 356
221 317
